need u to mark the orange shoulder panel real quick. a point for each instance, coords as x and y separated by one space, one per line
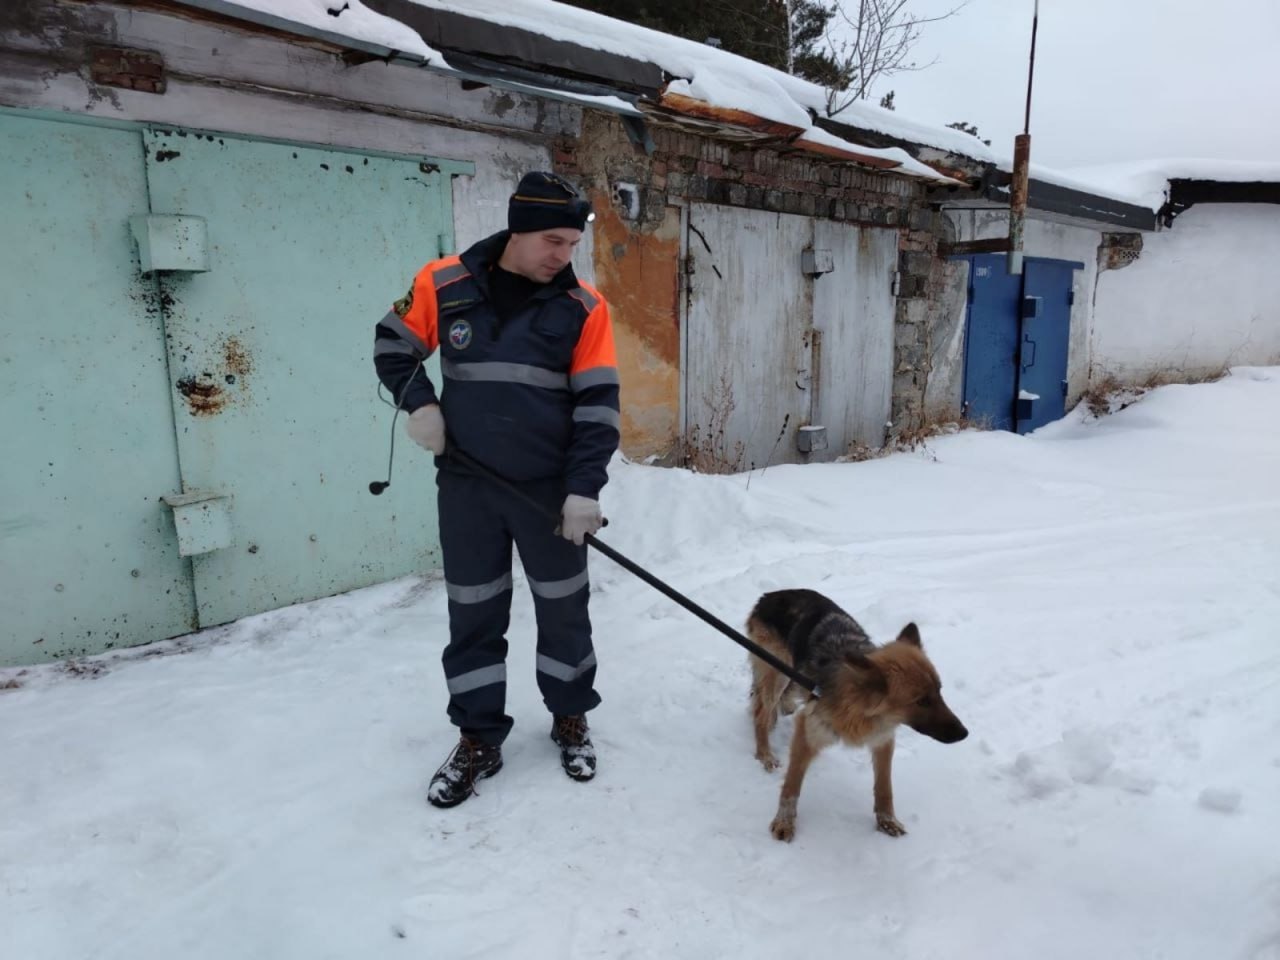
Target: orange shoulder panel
595 345
420 312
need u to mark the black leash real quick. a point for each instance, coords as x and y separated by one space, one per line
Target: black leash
629 565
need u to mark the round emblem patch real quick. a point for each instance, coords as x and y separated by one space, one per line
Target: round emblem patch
460 334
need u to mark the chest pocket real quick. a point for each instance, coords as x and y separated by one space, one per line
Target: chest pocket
556 328
558 321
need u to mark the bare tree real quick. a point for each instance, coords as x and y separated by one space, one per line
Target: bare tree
871 39
791 36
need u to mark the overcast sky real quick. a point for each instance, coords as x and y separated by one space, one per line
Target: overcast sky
1116 80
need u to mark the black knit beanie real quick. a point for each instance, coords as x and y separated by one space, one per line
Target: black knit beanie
545 201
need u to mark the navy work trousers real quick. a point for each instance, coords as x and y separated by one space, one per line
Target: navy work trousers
479 521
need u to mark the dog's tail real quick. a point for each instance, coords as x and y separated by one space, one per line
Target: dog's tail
765 679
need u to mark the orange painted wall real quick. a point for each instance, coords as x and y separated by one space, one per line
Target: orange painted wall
638 273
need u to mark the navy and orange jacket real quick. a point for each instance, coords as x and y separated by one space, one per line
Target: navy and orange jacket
533 398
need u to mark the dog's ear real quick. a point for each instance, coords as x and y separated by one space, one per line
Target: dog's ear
910 634
869 675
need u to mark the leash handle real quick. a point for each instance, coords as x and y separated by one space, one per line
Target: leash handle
632 567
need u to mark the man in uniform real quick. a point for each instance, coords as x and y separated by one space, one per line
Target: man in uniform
530 391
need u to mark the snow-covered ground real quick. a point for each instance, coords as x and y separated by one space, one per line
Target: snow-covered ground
1102 600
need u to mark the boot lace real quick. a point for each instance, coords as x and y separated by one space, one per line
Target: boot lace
572 730
462 763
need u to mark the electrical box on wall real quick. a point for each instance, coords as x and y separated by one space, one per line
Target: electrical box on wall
171 242
817 262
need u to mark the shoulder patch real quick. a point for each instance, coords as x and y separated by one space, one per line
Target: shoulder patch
403 305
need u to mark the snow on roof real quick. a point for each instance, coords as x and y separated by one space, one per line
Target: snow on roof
1072 181
703 72
354 21
717 83
1145 183
894 158
709 74
706 79
870 116
724 84
1148 181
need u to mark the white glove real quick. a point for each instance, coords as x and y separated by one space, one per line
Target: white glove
578 517
425 427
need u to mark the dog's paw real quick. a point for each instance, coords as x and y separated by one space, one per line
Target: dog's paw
886 823
783 828
768 761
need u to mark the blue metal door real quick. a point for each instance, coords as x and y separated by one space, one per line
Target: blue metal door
270 353
991 342
1042 350
1017 337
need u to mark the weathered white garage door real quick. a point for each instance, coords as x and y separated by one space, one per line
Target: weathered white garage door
769 349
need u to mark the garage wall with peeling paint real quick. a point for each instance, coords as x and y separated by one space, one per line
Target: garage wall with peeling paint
254 384
815 349
640 273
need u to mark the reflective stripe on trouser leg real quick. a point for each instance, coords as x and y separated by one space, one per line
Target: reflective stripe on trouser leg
566 662
477 570
557 572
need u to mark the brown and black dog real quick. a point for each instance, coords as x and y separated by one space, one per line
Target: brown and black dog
866 692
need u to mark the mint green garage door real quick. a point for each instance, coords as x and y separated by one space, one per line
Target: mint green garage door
88 558
192 444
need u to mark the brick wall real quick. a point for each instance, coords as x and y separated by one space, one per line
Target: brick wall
921 312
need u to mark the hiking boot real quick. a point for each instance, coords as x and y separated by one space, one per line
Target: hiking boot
470 761
577 755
